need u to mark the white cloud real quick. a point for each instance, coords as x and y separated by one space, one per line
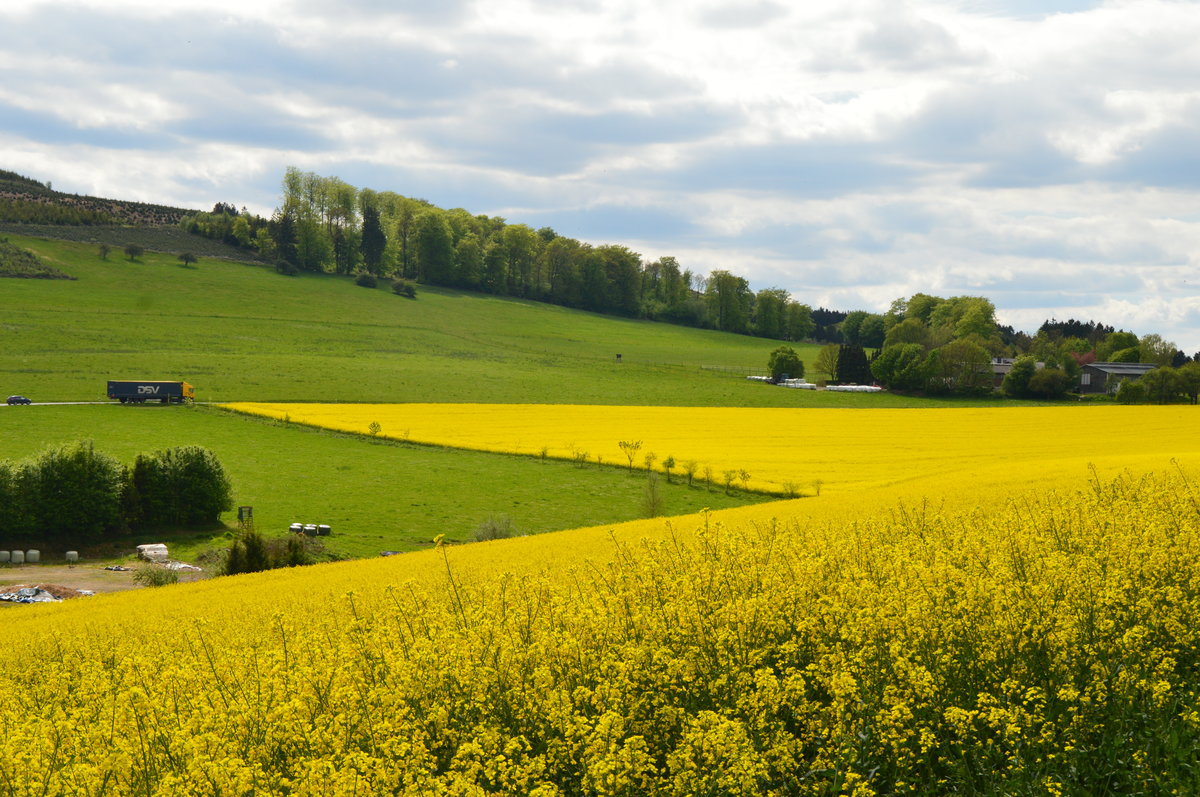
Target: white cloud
851 152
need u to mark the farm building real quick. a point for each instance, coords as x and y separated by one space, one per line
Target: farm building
1001 366
1105 377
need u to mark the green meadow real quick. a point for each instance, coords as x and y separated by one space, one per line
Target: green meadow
241 332
375 494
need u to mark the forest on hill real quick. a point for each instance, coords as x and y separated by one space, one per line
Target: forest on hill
324 225
327 225
921 343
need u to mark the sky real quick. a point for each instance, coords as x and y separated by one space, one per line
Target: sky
1042 154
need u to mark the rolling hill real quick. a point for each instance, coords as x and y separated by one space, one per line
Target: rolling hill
241 332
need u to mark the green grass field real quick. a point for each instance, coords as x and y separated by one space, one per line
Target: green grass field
244 333
376 495
241 332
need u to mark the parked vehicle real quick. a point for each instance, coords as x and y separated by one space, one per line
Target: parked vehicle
18 400
129 392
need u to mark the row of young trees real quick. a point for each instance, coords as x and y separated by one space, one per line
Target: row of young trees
75 494
327 225
32 211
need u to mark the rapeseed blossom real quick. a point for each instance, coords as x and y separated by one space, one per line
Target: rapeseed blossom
1012 641
789 451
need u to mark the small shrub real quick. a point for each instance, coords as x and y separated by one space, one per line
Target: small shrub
652 498
155 576
294 551
287 268
405 288
252 553
366 280
495 527
248 554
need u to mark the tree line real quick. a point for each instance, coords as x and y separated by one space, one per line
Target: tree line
29 211
75 494
324 224
327 225
944 346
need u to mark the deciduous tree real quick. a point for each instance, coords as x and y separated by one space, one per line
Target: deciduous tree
901 367
784 361
826 362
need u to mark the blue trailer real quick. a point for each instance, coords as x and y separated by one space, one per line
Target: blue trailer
139 392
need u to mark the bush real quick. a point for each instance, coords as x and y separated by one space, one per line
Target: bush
495 528
652 497
1016 381
294 552
155 576
253 553
1131 391
366 280
405 288
182 486
1048 383
287 268
248 554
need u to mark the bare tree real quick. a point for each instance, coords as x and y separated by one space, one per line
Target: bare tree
630 447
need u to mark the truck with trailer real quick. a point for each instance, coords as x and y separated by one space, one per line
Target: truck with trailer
139 392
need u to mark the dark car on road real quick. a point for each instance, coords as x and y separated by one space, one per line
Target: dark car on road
18 400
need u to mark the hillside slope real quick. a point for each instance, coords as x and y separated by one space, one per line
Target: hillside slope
243 333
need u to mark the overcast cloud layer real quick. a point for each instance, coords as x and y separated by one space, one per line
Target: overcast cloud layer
1042 154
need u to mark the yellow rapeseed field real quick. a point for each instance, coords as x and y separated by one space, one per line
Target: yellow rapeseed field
1044 643
980 601
784 449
